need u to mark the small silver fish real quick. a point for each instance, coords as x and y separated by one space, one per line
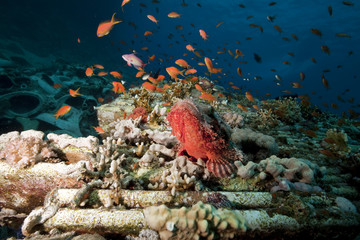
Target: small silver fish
145 76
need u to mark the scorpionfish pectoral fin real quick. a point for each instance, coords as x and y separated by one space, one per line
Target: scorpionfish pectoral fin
220 167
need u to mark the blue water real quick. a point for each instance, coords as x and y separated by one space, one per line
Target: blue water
51 28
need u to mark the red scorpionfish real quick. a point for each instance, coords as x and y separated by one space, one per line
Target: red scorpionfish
198 139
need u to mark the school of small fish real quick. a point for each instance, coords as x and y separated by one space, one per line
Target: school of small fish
195 60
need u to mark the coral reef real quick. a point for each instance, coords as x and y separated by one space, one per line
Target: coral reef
287 110
126 130
201 220
154 179
336 141
233 119
28 150
181 176
198 138
138 112
255 145
284 171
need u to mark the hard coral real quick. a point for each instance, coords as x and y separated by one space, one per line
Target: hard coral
199 139
27 151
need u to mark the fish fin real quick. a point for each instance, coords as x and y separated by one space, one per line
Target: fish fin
220 167
181 72
113 17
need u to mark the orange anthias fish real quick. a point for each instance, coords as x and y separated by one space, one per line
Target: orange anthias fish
302 76
123 3
182 63
203 34
207 96
118 87
325 81
173 72
296 85
105 27
140 73
101 74
116 74
99 66
316 32
99 130
57 85
174 15
147 33
190 71
208 64
89 72
210 67
219 23
62 111
239 53
239 72
249 96
242 107
278 28
190 48
325 49
149 86
74 93
198 87
152 58
152 18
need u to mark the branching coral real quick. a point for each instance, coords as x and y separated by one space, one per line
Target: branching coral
336 142
182 175
288 110
142 98
266 119
156 116
127 130
177 90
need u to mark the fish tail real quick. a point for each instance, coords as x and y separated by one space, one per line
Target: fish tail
56 115
181 72
113 19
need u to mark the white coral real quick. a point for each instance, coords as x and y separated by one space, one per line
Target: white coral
26 151
127 130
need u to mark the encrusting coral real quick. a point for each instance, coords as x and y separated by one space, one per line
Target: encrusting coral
283 170
199 139
27 151
233 119
139 112
255 145
201 220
